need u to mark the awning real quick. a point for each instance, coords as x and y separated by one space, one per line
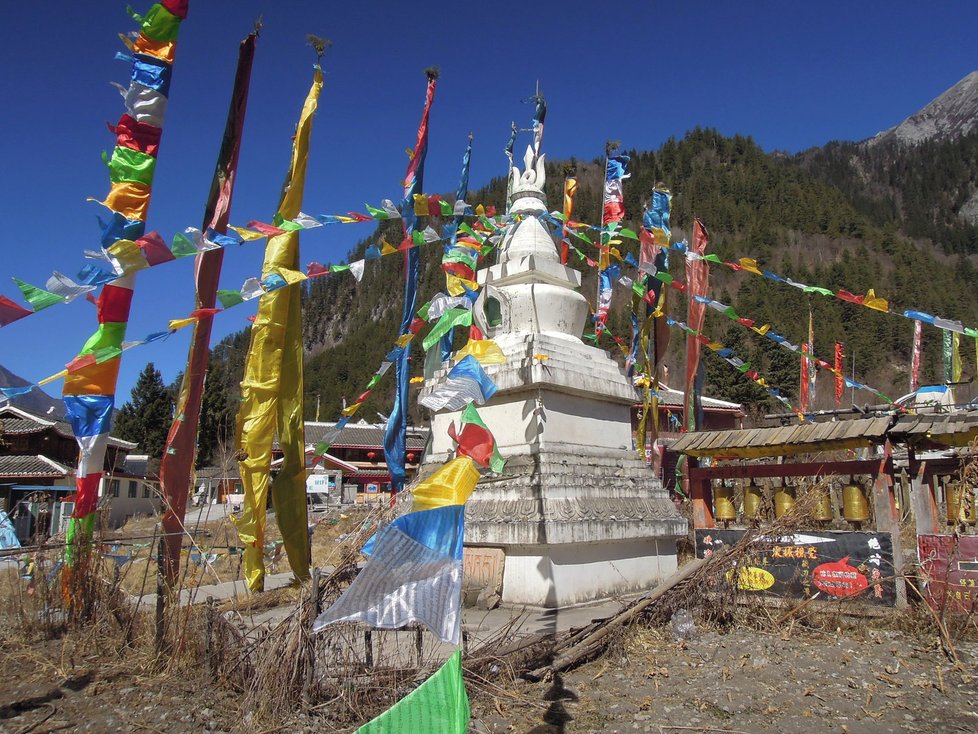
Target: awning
804 438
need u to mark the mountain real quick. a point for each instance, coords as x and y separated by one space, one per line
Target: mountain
36 401
889 216
951 115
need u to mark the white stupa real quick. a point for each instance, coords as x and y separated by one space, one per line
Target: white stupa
576 513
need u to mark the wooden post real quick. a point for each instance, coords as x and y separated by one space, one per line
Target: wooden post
161 591
311 663
922 497
700 493
888 519
209 650
418 643
368 648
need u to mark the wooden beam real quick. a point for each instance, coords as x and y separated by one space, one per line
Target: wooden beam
922 496
701 494
807 469
888 519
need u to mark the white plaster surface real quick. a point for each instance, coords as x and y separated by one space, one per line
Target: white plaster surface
559 576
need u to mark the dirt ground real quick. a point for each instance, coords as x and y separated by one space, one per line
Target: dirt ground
870 682
852 681
860 676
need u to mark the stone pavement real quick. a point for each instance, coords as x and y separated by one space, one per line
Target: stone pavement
479 624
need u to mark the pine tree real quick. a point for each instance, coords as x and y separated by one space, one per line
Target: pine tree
146 418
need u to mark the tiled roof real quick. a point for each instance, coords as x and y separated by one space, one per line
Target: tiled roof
362 435
669 398
13 467
752 443
20 426
17 421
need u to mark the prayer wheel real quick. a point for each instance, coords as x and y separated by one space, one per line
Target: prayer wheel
752 501
855 506
784 500
822 511
723 506
961 504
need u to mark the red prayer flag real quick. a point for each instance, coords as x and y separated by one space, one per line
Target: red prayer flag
265 228
839 380
11 312
697 278
130 133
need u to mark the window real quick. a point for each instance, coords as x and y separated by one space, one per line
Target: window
114 487
146 491
494 313
132 489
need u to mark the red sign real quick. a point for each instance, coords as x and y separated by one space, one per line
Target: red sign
838 578
950 570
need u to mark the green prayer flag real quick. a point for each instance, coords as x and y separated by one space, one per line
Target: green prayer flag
159 24
713 258
581 235
446 208
818 289
625 232
229 298
182 246
639 289
37 297
127 164
109 334
663 276
730 313
338 268
377 213
449 320
417 237
440 705
373 381
289 226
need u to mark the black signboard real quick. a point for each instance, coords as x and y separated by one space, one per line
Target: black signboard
804 564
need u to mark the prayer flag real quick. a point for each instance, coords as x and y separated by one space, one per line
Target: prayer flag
179 453
475 440
271 401
466 382
697 279
395 433
407 581
440 704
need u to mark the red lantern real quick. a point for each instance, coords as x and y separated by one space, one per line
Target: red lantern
371 455
410 457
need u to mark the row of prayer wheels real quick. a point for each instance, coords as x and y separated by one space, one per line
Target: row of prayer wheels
855 503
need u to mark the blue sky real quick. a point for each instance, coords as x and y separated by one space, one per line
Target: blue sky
791 74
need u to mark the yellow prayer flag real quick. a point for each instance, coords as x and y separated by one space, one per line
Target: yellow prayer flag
485 351
351 409
248 235
421 205
180 323
750 265
450 485
271 391
127 253
874 302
